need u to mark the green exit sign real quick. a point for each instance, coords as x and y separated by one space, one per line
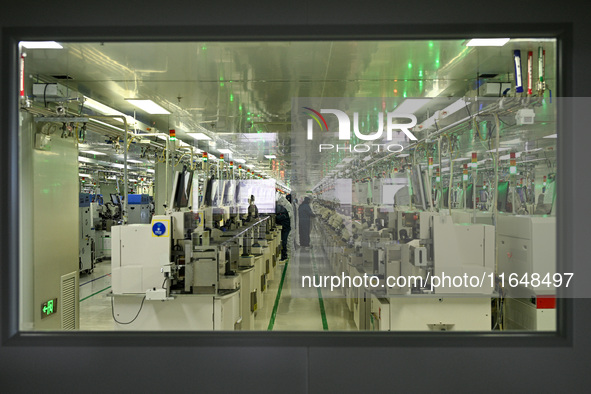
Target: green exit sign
48 308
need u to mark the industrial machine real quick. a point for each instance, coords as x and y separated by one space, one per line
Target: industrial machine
139 209
181 272
86 241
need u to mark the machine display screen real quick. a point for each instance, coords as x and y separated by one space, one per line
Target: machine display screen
263 191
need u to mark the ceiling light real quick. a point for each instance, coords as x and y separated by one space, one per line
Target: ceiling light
199 136
85 175
532 150
41 45
134 161
511 142
93 152
403 155
105 124
241 161
149 106
552 136
225 151
494 150
409 106
85 159
462 159
487 42
151 170
268 156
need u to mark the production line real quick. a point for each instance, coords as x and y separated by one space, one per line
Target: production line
230 204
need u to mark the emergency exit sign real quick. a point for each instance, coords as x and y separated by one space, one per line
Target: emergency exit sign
48 308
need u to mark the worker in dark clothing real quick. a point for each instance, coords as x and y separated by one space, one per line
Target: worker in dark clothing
305 216
284 214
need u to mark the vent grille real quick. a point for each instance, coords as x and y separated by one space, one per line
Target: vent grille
69 302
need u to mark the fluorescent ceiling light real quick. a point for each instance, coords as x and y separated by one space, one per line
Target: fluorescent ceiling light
225 151
151 170
112 177
85 159
511 142
532 150
41 45
494 150
487 42
117 165
267 156
199 136
240 161
149 106
134 161
462 159
409 106
106 110
105 124
85 175
552 136
93 152
403 155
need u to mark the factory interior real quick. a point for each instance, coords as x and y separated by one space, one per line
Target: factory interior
220 186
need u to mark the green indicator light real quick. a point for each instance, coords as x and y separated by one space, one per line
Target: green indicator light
172 139
259 115
231 97
221 78
430 44
248 118
222 84
204 48
248 113
420 73
240 107
437 62
409 65
404 94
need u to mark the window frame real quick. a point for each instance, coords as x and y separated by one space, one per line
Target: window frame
9 278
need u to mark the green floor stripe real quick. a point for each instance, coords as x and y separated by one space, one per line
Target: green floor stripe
320 300
274 313
100 291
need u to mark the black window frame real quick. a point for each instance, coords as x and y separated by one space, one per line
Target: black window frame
9 194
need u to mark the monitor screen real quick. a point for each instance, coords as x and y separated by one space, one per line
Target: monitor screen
503 194
470 196
182 189
263 191
419 191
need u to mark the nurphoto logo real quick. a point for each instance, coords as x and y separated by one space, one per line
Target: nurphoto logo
344 130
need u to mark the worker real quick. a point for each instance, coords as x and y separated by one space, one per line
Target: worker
305 215
253 211
284 217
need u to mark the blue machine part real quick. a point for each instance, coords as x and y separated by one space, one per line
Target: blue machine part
137 199
517 62
85 199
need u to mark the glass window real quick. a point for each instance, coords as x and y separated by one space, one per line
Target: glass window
300 186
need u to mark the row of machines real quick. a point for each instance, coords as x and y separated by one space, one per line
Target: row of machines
391 241
97 216
183 272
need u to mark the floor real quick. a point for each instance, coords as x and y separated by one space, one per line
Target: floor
295 309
